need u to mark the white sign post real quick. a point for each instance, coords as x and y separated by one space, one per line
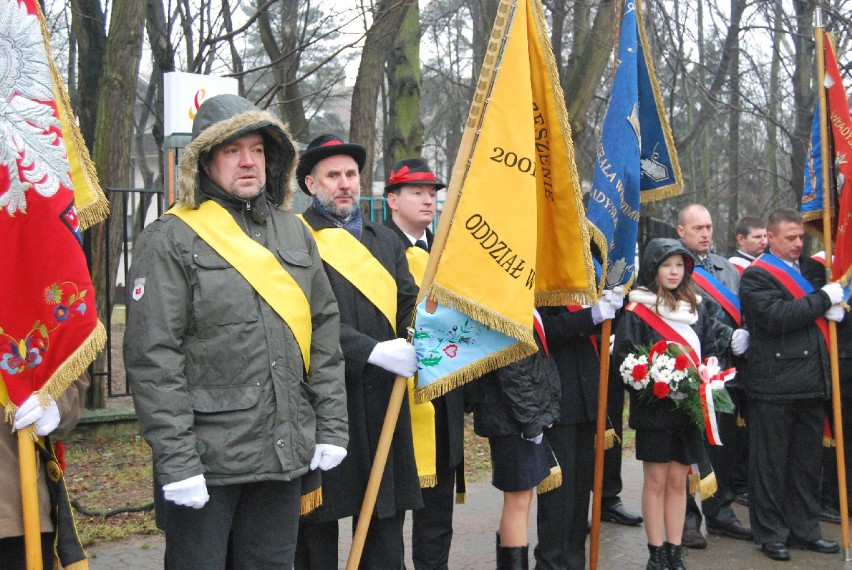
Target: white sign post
184 93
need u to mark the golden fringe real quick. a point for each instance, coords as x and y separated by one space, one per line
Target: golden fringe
708 486
551 482
472 371
675 189
694 480
812 216
76 363
81 565
427 481
97 210
568 142
609 438
828 441
565 297
741 421
461 498
310 501
484 315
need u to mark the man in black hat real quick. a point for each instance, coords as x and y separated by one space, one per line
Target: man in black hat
412 198
369 274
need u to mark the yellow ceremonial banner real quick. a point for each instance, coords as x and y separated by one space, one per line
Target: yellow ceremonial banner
511 235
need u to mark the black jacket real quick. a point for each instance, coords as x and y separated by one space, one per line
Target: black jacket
368 388
787 356
449 408
569 339
521 398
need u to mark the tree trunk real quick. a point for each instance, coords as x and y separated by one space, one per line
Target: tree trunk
585 76
362 130
803 96
404 135
89 25
111 152
734 137
294 107
773 106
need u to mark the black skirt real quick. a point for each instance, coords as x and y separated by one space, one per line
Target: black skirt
661 446
518 464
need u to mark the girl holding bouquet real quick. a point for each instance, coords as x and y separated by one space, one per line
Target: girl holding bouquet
664 307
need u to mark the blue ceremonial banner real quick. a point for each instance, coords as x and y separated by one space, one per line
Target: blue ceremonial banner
812 189
636 161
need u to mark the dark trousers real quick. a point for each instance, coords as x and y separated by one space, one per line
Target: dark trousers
262 518
563 512
13 554
612 457
383 547
432 528
784 469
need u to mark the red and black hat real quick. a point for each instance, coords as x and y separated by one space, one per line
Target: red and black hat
412 171
322 147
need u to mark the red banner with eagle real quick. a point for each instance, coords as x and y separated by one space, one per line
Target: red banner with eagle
49 328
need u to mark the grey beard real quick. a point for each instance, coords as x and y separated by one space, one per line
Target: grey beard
337 211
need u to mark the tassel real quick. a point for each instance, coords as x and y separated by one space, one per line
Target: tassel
428 481
741 421
552 481
694 479
708 486
311 501
461 498
828 441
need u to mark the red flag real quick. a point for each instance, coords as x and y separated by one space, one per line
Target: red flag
841 134
49 329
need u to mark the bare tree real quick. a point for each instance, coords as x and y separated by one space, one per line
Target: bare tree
404 131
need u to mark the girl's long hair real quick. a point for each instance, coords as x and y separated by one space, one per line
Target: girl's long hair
685 291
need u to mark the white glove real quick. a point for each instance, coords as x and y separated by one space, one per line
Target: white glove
535 439
190 492
327 456
834 292
603 309
835 313
739 341
615 296
611 343
45 419
397 356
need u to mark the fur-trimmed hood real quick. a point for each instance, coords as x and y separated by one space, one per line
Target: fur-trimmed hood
224 118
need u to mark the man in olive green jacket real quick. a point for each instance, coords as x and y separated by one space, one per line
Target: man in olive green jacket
232 346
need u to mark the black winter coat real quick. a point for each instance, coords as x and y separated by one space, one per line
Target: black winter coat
787 356
521 398
368 388
568 337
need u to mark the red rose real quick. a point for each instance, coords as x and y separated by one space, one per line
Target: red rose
451 350
661 390
639 371
682 362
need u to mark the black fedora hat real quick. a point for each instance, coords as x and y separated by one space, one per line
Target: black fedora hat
322 147
412 171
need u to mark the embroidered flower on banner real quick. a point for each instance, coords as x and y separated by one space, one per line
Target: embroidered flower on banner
32 153
450 342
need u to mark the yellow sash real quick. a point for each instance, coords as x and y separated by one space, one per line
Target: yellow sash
356 264
259 266
417 260
422 415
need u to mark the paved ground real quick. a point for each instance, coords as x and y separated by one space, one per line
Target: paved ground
473 543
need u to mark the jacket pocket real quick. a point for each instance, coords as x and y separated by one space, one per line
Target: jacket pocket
295 257
210 400
223 296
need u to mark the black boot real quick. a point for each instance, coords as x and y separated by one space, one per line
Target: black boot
658 560
512 557
674 553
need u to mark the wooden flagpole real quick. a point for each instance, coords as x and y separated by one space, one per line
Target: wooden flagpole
597 487
29 499
819 38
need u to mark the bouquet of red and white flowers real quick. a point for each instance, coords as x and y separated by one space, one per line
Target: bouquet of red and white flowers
668 370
